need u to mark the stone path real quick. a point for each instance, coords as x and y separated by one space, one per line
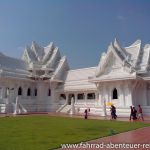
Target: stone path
132 140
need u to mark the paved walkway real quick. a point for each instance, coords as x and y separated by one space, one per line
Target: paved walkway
139 136
135 139
146 118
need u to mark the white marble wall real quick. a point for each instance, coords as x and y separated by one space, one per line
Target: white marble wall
123 90
32 103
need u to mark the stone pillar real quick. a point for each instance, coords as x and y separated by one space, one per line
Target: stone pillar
120 95
3 92
24 91
67 98
108 94
96 98
100 95
11 95
104 112
54 97
72 106
128 95
85 98
75 98
104 93
40 95
144 95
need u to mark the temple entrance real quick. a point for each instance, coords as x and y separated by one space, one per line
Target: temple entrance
114 94
69 98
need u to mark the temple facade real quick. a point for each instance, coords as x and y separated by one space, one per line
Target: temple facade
41 81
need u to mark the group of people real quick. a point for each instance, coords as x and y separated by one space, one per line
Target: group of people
133 113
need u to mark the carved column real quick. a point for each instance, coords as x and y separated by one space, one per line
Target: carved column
107 93
75 98
100 95
128 95
3 92
54 96
144 97
105 96
120 94
85 98
96 98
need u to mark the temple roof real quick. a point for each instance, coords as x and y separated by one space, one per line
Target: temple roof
12 67
46 61
13 63
77 80
133 59
117 63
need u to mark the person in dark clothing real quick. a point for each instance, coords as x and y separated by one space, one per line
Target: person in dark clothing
131 113
113 112
134 113
85 114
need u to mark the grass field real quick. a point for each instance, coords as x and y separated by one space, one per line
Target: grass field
45 132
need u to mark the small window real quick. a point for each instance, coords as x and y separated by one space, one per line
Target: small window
20 91
35 92
49 92
62 96
91 96
115 94
81 96
29 92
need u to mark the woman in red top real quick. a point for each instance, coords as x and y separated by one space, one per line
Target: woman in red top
140 113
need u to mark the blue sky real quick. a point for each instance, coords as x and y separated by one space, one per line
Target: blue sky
82 29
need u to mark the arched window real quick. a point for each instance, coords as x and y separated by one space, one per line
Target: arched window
35 92
20 91
29 92
49 92
62 96
91 96
80 96
115 94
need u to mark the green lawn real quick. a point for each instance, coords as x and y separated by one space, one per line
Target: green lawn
45 132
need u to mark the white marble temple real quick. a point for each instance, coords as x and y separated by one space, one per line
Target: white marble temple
41 81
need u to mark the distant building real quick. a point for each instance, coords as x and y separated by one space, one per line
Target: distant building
42 82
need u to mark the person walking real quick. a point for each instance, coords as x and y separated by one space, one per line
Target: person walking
134 113
85 114
131 113
140 113
113 112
